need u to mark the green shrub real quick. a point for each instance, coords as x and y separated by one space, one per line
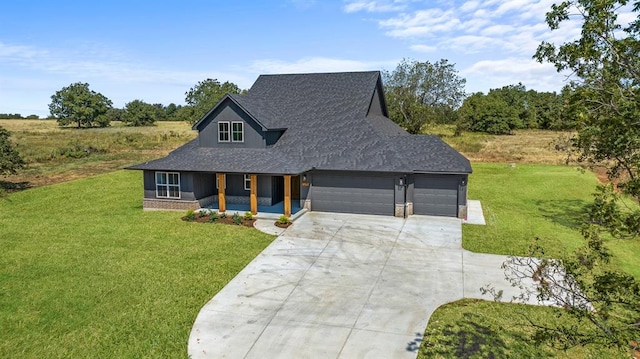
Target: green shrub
213 216
191 215
248 216
203 213
237 219
284 219
223 215
76 150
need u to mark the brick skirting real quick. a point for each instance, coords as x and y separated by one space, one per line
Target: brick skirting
169 204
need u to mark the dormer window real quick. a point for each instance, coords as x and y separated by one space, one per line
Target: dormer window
230 131
223 131
237 131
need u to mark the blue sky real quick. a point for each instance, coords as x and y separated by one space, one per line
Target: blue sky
156 50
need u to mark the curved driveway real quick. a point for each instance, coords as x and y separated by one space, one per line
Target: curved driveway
344 286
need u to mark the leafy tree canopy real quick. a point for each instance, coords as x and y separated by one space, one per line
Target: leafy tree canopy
78 105
10 160
204 95
419 93
512 107
140 113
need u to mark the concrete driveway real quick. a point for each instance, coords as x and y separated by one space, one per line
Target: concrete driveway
344 286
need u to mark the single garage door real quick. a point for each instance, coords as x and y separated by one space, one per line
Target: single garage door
353 194
436 195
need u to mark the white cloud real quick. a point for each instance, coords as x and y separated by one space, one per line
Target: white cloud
316 64
374 6
499 29
470 6
420 23
473 44
498 73
423 48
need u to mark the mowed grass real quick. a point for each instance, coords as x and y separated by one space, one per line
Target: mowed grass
520 203
528 201
55 154
478 329
86 273
531 201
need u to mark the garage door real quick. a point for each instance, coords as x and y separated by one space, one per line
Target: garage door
353 194
436 195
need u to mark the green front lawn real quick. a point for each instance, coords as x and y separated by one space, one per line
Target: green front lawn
85 273
520 204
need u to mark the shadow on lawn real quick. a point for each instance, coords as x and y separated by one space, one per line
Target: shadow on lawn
14 186
470 338
568 213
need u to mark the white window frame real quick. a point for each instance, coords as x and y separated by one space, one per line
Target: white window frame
225 181
227 132
232 131
167 184
247 182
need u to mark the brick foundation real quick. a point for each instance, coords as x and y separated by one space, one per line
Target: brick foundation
169 204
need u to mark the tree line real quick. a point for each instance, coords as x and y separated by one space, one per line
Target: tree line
79 106
420 94
17 116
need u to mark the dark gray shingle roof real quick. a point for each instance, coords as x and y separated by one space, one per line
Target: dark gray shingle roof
327 127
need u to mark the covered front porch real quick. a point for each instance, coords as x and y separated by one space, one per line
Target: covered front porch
264 211
286 198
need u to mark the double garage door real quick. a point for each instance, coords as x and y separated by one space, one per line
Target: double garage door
368 194
353 194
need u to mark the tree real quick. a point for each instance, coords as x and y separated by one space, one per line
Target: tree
420 93
488 113
603 305
170 111
206 94
115 114
10 160
139 113
77 104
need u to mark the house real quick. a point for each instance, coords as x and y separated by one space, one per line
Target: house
319 141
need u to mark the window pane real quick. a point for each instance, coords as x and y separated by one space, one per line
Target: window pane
162 191
173 178
223 131
161 178
174 191
237 131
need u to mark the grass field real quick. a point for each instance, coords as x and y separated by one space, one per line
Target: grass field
56 155
477 329
85 273
526 146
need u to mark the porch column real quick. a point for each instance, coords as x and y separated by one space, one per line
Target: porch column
222 206
287 195
254 194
